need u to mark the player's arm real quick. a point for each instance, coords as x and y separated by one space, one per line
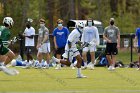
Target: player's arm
118 39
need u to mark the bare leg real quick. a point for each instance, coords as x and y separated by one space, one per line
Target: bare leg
109 59
10 56
84 54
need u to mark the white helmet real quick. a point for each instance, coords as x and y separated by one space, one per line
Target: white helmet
9 21
80 26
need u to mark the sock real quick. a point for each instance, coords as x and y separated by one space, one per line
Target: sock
78 71
57 60
1 63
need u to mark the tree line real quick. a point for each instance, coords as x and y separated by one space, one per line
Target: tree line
125 12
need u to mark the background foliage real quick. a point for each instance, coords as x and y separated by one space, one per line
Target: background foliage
126 12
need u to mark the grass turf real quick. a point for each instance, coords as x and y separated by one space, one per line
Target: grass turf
100 80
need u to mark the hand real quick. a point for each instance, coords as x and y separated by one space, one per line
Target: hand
109 41
118 45
39 45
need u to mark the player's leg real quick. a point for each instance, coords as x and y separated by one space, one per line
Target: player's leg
7 55
108 53
139 58
84 55
10 56
58 55
79 62
92 54
30 61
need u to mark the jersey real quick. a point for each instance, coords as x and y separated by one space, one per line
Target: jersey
89 34
41 34
4 38
138 36
28 32
61 36
112 32
4 35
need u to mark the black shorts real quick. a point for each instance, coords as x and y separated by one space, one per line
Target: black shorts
29 49
138 49
60 51
111 49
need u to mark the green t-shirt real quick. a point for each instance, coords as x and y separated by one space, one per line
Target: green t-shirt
4 35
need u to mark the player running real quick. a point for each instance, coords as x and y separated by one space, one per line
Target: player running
71 49
6 55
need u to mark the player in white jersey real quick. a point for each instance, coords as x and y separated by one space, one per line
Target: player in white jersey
90 35
29 34
71 49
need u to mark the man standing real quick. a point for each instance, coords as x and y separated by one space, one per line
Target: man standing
43 44
71 49
29 33
112 36
60 38
91 36
6 55
137 41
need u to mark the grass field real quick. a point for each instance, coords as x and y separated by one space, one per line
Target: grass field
100 80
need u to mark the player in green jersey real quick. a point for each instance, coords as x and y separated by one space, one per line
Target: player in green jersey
6 55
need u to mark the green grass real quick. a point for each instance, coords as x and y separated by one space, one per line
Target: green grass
99 80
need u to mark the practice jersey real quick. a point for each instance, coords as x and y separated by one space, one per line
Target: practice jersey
29 32
112 32
138 35
4 35
61 36
74 37
89 34
41 34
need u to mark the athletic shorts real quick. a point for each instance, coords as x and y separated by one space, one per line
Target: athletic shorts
138 49
90 49
111 49
29 49
71 53
45 48
3 50
60 51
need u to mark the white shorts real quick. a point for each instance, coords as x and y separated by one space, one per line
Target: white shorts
45 48
90 49
70 54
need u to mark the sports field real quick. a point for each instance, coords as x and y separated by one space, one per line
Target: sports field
100 80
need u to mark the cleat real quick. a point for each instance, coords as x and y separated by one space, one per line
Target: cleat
8 71
138 69
81 76
83 68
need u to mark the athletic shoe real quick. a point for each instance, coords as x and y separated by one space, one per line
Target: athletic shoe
55 60
39 66
111 68
58 67
81 76
91 67
138 69
28 65
72 66
8 71
83 68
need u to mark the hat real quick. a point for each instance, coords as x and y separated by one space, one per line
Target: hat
112 19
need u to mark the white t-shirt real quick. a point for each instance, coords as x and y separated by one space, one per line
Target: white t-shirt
29 32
